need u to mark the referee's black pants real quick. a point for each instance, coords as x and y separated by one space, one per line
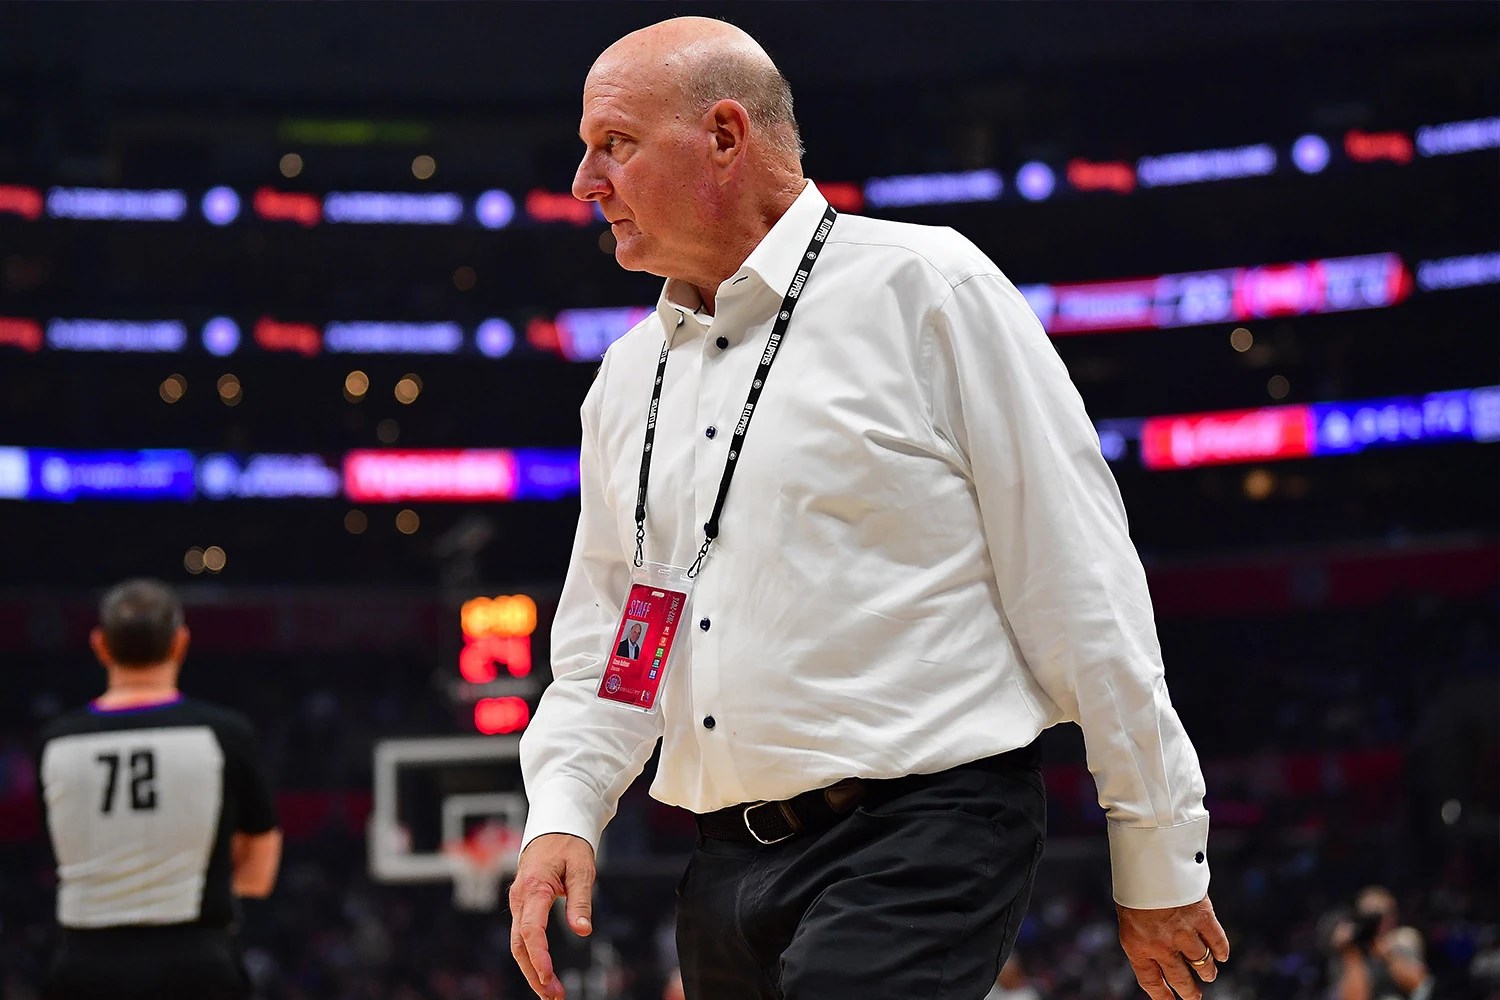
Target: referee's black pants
147 963
917 895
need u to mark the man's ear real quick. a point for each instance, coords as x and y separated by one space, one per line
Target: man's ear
728 123
180 644
96 643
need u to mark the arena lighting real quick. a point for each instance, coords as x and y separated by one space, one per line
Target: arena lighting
508 616
116 204
1035 181
266 476
295 338
546 474
494 338
479 659
112 475
1459 137
551 206
220 206
352 132
1466 271
1332 284
1225 438
220 336
493 716
392 208
1193 298
284 206
1084 175
1113 441
497 632
389 476
23 333
1206 165
585 334
933 189
15 474
392 338
1369 147
121 336
1310 154
1459 415
1167 442
843 195
495 209
17 199
1319 429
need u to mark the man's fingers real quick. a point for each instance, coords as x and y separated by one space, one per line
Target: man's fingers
1208 971
1181 980
1148 974
1198 955
533 933
580 893
518 951
1217 941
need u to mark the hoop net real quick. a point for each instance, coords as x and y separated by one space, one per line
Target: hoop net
478 864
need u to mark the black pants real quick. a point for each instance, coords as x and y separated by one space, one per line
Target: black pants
917 895
147 963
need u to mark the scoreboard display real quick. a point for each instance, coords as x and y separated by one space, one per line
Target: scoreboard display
496 682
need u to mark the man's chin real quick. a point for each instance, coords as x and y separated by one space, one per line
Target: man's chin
631 256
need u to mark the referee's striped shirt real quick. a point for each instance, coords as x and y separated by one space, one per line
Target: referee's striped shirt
140 804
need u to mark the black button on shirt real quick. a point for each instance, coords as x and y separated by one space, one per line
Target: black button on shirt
721 343
704 623
708 722
710 432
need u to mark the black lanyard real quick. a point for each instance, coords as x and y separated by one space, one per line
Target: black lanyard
778 331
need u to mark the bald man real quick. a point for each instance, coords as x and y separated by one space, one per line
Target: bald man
922 563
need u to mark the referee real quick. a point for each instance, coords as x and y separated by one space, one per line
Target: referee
159 813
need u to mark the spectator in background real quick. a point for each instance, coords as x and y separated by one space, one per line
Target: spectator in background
1012 983
1377 960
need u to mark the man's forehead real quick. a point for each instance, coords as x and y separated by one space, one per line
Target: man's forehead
622 89
609 104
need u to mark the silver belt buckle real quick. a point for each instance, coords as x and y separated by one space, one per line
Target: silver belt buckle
751 828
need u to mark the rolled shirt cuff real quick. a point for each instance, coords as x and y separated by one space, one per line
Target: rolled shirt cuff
565 805
1155 868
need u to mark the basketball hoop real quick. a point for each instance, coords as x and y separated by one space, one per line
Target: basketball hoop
478 863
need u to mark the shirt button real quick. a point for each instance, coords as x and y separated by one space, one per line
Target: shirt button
704 624
710 432
721 343
708 722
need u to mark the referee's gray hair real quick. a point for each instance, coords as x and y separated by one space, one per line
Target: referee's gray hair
754 82
140 619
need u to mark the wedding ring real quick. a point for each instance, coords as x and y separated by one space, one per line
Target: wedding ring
1202 961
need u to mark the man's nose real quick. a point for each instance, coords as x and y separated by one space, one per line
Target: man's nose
588 184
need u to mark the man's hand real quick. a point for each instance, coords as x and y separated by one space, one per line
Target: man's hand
553 865
1162 944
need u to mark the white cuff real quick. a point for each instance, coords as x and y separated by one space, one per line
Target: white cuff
1155 868
566 805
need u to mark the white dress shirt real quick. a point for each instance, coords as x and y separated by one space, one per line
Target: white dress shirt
923 560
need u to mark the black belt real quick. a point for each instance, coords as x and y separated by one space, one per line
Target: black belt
815 811
772 822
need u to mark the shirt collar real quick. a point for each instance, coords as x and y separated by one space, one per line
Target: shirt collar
773 262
